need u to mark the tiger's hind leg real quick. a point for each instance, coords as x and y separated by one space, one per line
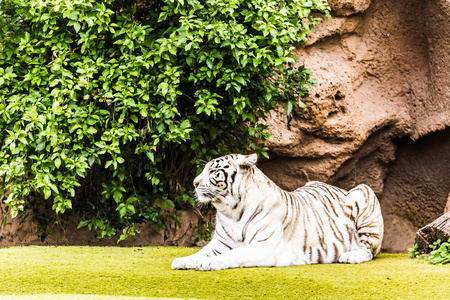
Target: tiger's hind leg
369 227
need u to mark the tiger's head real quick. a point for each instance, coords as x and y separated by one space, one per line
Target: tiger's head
220 179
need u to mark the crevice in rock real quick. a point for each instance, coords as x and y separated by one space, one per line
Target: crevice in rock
370 162
417 186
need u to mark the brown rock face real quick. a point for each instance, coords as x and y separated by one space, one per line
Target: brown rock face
447 206
348 7
383 70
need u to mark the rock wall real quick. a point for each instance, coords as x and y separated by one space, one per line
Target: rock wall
383 70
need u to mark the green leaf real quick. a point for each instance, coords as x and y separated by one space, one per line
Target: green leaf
91 160
289 108
23 140
130 208
117 196
122 209
134 118
47 193
209 63
241 80
83 223
54 188
77 26
163 88
40 146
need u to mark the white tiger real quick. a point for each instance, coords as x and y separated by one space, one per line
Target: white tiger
259 224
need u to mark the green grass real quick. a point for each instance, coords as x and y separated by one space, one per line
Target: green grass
115 273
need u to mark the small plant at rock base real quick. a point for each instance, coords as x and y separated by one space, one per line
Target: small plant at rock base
441 253
414 252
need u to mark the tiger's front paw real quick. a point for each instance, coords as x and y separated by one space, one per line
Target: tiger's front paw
184 263
211 264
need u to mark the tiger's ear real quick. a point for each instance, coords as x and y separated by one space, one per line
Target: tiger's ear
247 160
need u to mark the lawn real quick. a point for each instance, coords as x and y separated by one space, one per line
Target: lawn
114 273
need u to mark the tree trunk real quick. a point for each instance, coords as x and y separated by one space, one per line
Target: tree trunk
438 229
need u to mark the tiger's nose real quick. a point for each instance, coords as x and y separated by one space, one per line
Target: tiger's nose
196 183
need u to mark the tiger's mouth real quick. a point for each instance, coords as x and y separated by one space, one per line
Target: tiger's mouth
206 195
210 195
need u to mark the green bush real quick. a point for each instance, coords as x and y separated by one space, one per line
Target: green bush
107 107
